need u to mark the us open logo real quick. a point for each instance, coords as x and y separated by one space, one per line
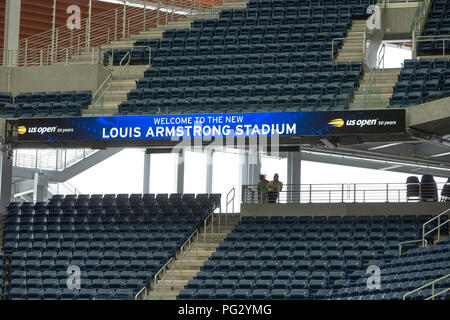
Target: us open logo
21 130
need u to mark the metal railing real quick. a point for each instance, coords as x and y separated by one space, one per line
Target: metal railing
418 23
349 193
432 284
141 294
185 249
161 274
374 74
53 159
116 24
333 45
64 188
438 227
401 244
230 199
444 39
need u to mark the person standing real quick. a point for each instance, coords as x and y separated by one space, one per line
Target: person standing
275 187
263 187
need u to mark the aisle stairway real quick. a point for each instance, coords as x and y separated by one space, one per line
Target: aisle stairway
179 276
381 92
352 49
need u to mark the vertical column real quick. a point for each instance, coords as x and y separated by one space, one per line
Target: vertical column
146 178
12 29
293 176
180 172
6 180
254 167
40 187
209 170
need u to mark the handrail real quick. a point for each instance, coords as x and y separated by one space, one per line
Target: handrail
411 241
355 192
106 83
189 242
210 217
141 293
349 38
374 73
163 271
427 285
438 217
231 200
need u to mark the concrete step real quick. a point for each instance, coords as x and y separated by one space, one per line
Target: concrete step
185 275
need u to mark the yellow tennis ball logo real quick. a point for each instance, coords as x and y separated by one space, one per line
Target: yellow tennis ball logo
336 123
21 130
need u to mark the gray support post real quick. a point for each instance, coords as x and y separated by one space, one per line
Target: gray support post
124 20
147 162
12 29
40 187
53 30
209 170
293 176
6 166
180 172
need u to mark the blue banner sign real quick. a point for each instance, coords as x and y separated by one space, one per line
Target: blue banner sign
213 125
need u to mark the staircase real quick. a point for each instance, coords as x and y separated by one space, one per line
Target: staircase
123 81
380 92
178 277
353 44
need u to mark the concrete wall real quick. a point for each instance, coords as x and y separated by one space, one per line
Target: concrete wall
52 78
398 19
342 209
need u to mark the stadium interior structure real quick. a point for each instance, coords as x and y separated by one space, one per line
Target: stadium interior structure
149 58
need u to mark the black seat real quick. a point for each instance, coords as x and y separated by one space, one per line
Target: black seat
445 193
412 188
428 188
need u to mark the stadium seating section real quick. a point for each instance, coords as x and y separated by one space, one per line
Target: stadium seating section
276 55
438 24
118 242
315 258
43 104
421 81
403 274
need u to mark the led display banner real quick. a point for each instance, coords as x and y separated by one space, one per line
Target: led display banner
213 125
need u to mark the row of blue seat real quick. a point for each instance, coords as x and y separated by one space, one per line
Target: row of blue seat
261 88
229 81
403 99
424 74
68 294
293 57
426 63
282 3
246 69
251 104
87 284
320 220
83 255
68 109
422 86
83 97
